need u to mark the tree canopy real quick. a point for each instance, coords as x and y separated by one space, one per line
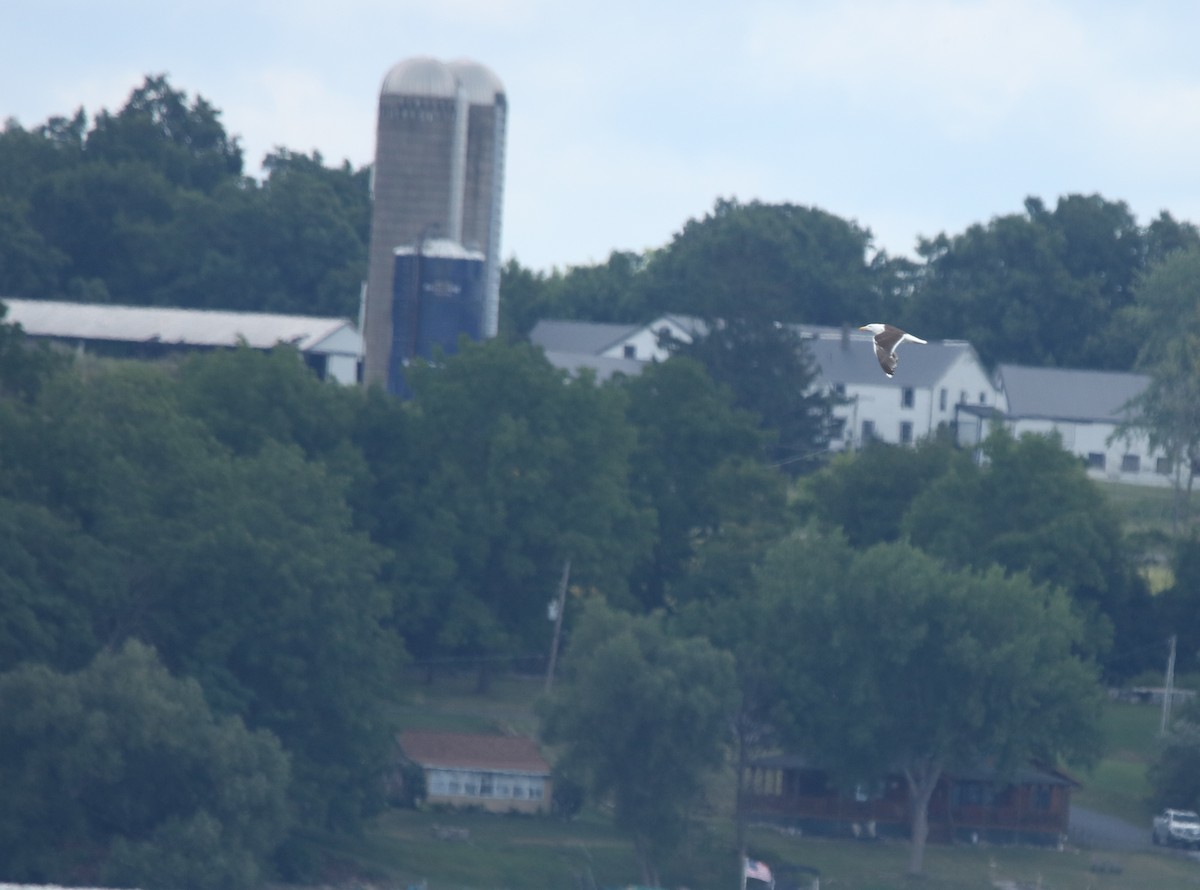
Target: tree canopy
953 668
641 715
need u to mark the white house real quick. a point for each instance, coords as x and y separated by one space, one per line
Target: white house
1085 408
933 383
331 346
493 772
932 386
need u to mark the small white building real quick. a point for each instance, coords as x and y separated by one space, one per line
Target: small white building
332 347
1085 408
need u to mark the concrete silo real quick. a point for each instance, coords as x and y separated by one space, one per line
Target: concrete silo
438 174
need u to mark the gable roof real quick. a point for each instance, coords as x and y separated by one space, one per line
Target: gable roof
847 357
581 337
183 327
460 750
1068 394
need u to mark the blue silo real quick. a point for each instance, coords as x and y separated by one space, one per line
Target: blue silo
438 294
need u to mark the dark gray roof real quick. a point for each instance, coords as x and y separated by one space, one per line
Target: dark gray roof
1066 394
849 358
585 337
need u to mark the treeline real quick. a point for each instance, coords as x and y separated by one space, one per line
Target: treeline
150 206
1047 287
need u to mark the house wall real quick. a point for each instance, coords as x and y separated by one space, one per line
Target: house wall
961 810
1104 461
496 791
643 344
883 405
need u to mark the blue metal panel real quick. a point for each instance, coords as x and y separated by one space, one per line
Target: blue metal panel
438 296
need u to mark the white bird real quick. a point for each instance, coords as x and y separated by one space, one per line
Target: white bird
887 341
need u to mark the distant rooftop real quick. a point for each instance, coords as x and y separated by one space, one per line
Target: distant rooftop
184 327
1067 394
460 750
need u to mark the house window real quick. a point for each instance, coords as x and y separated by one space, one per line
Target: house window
1162 466
942 399
629 351
1095 460
868 430
1131 463
906 432
962 397
839 389
485 785
983 398
906 397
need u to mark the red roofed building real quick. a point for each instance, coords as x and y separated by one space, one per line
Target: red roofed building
495 772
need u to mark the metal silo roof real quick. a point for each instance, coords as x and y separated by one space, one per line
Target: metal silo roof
480 82
420 76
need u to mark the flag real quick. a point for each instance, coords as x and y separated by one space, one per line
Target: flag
758 871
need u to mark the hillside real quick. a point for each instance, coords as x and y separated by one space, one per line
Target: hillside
532 853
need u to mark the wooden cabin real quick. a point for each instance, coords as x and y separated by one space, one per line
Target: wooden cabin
1031 804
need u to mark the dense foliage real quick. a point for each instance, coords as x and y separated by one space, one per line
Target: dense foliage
149 206
218 566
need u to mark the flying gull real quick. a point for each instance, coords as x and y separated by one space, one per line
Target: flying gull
887 341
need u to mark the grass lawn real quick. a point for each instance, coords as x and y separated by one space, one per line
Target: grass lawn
454 850
1117 784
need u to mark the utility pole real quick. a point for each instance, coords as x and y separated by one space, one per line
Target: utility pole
1169 690
560 606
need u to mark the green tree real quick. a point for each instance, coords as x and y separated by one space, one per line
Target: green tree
123 773
951 669
1043 287
867 493
1163 319
772 375
244 571
643 716
157 125
772 263
1030 507
689 437
522 469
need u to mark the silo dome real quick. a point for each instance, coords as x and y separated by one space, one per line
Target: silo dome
481 84
420 76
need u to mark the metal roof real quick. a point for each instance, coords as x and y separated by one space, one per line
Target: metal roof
460 750
432 78
580 337
1068 394
848 357
420 76
184 327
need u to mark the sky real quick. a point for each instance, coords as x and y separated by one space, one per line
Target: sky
628 118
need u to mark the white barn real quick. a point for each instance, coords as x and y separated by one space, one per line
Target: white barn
1085 408
332 347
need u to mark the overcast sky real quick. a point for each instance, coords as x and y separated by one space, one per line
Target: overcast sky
629 117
